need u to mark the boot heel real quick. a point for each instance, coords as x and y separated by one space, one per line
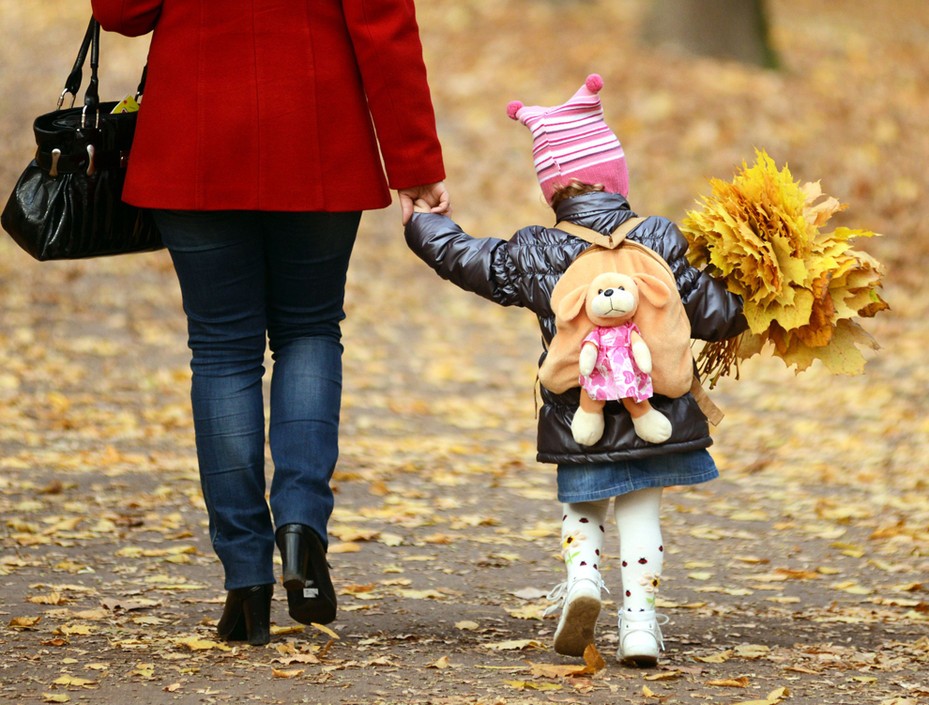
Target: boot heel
247 615
310 595
295 559
257 613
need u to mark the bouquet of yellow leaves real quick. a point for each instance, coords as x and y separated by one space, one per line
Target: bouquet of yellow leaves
802 288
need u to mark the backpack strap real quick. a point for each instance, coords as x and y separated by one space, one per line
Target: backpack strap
709 408
594 237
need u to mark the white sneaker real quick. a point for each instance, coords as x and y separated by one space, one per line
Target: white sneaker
640 638
579 602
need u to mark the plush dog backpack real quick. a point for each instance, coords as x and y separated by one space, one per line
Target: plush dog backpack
665 328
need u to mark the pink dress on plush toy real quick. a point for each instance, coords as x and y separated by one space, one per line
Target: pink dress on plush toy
616 375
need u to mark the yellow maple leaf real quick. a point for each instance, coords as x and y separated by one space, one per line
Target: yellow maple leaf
441 663
664 676
752 651
720 657
143 670
326 630
74 630
52 598
24 622
74 681
593 661
773 698
198 644
740 682
279 673
529 685
514 645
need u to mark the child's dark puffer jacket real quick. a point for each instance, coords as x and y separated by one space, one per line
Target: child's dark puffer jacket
523 270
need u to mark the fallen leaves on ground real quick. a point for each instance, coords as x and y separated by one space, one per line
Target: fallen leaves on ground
804 565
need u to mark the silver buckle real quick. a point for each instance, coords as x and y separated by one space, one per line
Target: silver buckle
84 119
61 98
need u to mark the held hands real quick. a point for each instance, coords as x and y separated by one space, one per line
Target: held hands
429 198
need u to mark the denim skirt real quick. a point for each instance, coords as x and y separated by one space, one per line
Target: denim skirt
589 482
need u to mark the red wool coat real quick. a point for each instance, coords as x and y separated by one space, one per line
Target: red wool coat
268 105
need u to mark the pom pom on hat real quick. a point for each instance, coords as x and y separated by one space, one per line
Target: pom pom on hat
572 142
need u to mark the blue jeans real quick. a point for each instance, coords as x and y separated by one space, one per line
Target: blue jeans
246 278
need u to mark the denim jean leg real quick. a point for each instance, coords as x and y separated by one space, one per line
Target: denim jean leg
306 390
229 425
219 261
308 259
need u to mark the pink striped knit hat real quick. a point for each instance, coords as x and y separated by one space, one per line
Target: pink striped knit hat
571 141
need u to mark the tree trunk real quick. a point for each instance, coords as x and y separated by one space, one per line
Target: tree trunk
722 29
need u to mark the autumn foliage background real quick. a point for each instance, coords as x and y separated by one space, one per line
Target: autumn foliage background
821 518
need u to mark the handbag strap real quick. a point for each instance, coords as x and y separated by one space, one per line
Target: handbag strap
73 82
92 94
91 45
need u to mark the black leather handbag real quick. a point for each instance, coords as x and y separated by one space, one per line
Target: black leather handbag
68 202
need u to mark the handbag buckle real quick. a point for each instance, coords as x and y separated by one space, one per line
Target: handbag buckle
56 155
91 167
84 119
61 98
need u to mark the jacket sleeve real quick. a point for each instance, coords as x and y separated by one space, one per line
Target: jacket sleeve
715 312
482 266
132 18
385 37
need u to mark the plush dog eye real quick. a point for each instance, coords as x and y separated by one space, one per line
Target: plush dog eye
599 291
621 288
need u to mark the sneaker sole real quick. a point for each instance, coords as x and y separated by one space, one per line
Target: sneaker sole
576 628
638 661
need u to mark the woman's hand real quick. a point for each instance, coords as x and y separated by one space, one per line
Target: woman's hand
429 198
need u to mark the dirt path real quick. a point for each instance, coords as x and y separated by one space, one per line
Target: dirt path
799 577
800 572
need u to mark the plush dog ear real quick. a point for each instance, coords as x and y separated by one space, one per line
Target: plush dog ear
572 304
652 289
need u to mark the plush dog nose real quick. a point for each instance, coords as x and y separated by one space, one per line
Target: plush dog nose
607 292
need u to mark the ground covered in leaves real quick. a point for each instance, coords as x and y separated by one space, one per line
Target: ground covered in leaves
799 577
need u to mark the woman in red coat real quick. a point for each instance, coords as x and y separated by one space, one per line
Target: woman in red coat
262 136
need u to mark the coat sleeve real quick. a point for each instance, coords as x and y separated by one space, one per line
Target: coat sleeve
715 312
483 266
385 37
132 18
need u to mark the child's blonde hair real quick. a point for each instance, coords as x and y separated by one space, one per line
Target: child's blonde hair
572 189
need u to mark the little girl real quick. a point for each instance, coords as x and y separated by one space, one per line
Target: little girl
582 171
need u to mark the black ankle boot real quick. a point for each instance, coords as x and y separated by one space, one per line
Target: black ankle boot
247 615
310 595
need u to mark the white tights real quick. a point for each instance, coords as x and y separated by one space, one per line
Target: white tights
641 551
